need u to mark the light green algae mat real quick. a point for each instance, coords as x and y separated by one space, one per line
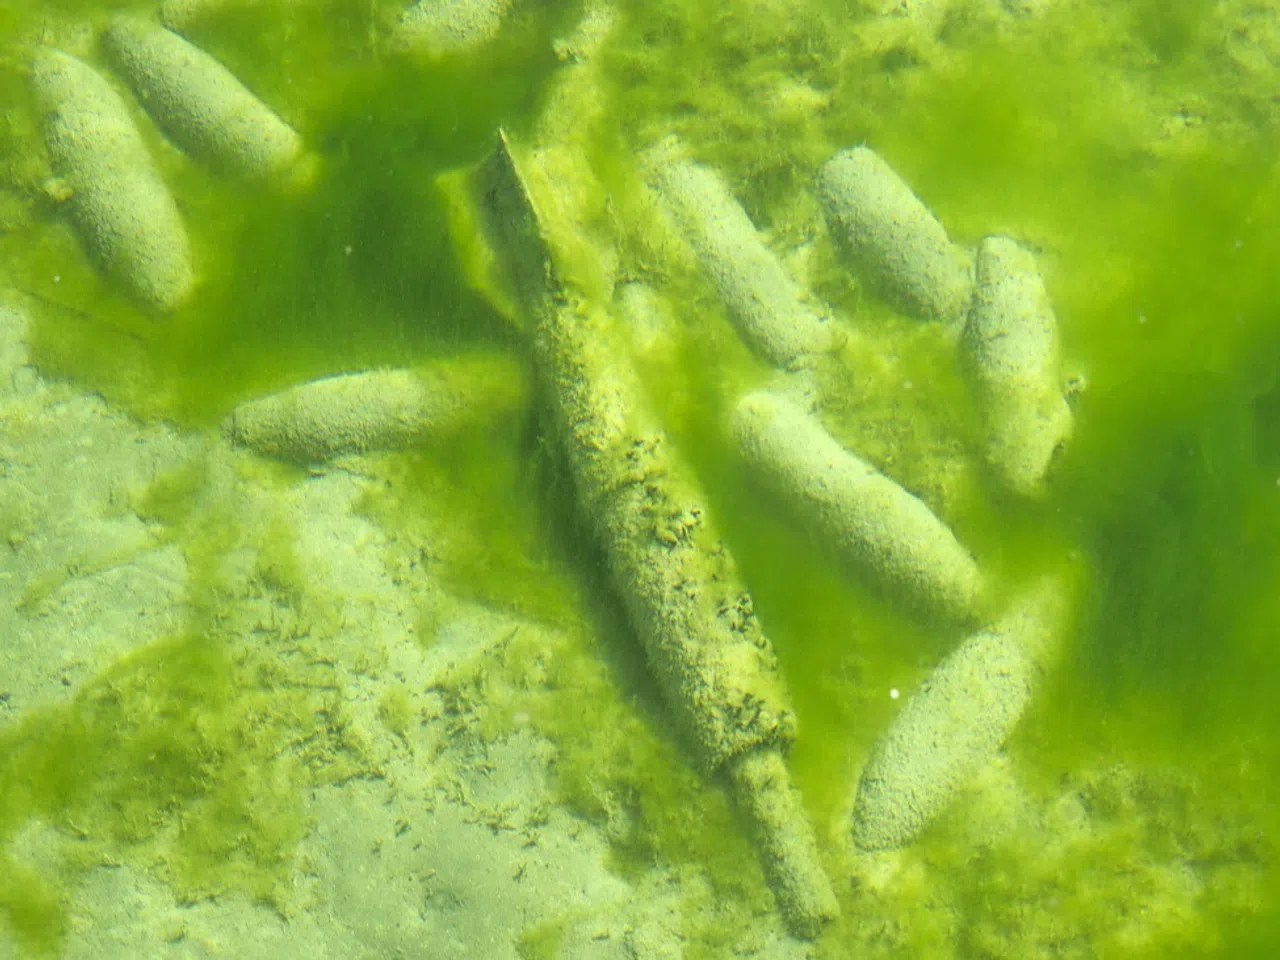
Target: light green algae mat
332 621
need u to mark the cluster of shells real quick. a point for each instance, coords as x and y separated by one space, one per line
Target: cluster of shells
717 670
715 667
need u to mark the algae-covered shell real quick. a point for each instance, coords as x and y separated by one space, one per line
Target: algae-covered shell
122 210
765 305
1010 352
379 409
891 235
955 722
681 588
788 848
200 104
871 522
675 575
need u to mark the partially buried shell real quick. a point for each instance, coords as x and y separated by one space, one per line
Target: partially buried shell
441 27
379 409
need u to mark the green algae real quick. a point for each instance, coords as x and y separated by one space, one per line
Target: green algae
1161 267
31 907
356 272
154 761
186 758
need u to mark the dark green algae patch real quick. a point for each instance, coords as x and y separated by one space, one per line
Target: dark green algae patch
355 272
1161 267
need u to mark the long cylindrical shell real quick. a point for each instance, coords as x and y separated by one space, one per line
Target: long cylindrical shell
1010 350
893 237
122 210
762 301
378 410
869 520
955 723
683 594
200 104
675 576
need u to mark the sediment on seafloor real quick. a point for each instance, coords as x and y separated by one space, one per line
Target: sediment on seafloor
891 239
1011 356
878 528
201 105
675 576
440 27
765 305
956 721
380 409
123 212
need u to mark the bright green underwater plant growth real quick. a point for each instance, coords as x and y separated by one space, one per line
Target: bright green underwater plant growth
1160 258
1160 261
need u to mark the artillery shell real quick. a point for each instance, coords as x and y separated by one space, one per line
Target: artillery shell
892 237
378 410
955 722
870 521
1010 352
122 210
200 105
763 302
439 27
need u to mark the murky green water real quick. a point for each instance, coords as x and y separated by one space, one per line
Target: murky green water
1130 144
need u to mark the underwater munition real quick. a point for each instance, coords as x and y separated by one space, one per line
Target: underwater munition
201 106
892 237
1010 352
439 27
683 596
378 410
956 721
675 576
122 210
870 521
763 302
